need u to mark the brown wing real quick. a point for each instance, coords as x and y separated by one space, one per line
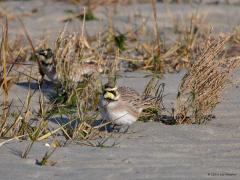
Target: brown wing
131 98
134 102
129 94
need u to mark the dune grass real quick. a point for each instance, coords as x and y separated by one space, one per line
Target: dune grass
201 88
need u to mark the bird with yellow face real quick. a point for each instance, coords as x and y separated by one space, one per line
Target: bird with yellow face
122 105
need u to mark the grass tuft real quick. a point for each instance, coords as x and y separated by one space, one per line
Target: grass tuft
201 88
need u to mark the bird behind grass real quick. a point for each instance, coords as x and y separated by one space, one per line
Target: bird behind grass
75 71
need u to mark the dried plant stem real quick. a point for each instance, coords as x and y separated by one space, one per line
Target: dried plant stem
4 84
201 88
32 46
15 138
156 30
27 150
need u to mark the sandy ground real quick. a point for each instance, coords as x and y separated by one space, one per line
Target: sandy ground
48 18
149 150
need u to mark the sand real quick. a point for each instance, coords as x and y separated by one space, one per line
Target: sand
149 150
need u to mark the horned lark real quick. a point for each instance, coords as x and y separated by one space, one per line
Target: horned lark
46 64
76 71
123 105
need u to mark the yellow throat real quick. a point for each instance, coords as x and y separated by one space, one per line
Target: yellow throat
110 95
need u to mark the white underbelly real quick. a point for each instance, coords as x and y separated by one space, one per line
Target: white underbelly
112 113
121 117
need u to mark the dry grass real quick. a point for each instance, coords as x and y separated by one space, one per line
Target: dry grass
79 103
4 80
154 90
76 99
236 35
201 88
161 57
8 59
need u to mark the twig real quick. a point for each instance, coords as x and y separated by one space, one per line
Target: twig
9 140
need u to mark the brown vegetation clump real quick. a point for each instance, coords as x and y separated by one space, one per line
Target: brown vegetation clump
236 35
201 88
80 92
165 57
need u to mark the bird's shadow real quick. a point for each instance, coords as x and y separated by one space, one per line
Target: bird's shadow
167 120
47 87
62 120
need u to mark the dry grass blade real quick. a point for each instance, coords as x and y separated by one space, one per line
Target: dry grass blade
154 89
32 46
200 89
15 138
159 62
156 25
4 83
45 136
236 35
45 159
153 93
4 56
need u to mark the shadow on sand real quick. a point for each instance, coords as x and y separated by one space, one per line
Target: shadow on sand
46 87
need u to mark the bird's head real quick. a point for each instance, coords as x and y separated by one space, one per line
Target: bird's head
110 92
45 57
